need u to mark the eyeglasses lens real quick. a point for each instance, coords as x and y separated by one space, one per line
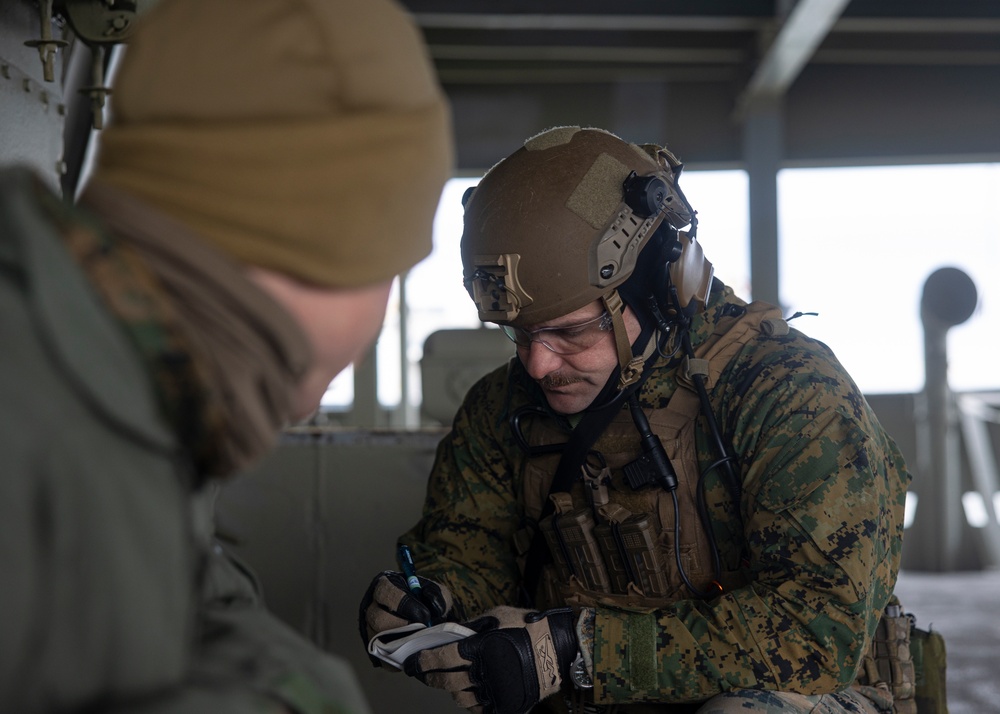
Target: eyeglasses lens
567 340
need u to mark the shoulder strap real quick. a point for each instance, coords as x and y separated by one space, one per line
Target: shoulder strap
574 455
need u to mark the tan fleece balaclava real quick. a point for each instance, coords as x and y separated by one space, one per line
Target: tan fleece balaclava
310 137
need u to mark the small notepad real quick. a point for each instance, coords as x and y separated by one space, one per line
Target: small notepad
395 645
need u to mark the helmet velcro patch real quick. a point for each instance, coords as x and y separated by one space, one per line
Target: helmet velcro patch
599 193
553 137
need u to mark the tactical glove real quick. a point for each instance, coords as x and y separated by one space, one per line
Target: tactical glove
518 658
389 603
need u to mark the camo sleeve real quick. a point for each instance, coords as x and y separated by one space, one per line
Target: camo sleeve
822 509
470 512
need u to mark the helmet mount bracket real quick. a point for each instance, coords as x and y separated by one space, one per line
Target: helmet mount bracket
495 287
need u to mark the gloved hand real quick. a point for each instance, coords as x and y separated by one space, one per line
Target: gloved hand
518 658
389 603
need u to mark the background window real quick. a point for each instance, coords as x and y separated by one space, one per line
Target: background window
857 244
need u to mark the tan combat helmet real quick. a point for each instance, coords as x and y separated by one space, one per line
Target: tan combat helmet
562 221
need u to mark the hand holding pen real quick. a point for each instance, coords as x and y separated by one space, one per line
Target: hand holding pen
405 559
394 599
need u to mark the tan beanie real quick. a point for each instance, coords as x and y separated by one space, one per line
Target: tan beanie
308 137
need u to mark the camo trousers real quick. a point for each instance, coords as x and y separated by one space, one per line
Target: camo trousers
753 701
743 701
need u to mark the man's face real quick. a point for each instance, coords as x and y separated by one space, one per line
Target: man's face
341 324
572 381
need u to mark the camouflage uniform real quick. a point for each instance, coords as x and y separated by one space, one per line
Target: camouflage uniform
810 555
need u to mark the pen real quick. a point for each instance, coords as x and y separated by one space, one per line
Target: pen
405 558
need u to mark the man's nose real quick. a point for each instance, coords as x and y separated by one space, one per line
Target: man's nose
539 360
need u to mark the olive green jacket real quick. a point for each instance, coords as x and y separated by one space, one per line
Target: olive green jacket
817 532
113 596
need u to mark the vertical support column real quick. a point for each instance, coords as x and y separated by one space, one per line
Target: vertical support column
763 151
406 415
975 416
940 537
364 412
937 527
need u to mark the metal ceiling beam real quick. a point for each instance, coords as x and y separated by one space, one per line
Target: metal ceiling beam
590 55
807 25
583 75
545 21
920 25
917 58
695 23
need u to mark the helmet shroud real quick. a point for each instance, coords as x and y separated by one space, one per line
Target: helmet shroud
547 230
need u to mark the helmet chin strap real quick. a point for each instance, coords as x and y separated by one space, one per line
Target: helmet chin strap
630 365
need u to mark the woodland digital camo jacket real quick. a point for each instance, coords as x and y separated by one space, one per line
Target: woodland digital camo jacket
816 540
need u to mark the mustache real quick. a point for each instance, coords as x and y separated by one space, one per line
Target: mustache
556 380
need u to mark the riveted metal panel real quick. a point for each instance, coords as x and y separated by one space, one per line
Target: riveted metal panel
32 109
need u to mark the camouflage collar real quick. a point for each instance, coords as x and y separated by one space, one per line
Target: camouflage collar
135 298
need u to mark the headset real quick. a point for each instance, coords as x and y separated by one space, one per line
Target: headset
678 262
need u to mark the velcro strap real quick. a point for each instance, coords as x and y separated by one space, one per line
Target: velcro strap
562 501
641 649
694 366
614 512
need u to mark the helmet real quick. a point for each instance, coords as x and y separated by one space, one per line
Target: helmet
563 221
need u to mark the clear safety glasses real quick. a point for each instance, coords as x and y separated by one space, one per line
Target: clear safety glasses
566 340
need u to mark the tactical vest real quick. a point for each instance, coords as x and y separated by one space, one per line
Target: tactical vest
612 545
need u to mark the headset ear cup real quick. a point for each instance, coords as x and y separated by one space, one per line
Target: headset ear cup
691 274
650 277
672 247
662 249
645 195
